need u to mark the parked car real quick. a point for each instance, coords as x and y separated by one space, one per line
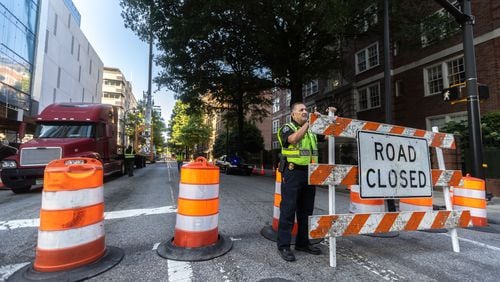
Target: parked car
233 165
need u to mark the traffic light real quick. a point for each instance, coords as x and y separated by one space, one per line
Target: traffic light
451 94
457 93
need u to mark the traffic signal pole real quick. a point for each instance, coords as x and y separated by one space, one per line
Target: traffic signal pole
466 20
474 116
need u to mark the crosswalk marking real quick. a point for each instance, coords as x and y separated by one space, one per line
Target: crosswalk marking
35 222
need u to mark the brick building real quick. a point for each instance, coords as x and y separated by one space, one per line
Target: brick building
419 74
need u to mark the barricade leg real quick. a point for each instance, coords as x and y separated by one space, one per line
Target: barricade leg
71 240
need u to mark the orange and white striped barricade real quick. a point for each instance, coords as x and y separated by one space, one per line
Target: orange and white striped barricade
270 232
472 196
196 235
359 205
321 226
71 240
377 139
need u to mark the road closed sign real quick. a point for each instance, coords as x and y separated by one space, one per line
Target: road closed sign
393 166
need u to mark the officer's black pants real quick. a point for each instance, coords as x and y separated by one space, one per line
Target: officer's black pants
296 197
129 166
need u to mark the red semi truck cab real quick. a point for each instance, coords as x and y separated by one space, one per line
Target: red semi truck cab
65 130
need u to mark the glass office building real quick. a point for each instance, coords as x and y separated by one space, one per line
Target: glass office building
18 24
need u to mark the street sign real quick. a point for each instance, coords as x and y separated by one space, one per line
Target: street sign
393 166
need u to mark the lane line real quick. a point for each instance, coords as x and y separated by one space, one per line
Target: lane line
155 246
8 270
474 242
35 222
179 271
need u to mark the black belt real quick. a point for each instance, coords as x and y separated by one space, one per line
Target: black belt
299 167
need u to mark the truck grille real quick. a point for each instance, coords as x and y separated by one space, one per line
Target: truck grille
39 156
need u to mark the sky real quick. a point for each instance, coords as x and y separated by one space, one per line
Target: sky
119 47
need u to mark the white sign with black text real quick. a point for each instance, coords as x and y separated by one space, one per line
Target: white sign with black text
393 166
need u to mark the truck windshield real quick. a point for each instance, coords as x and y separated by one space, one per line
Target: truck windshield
65 130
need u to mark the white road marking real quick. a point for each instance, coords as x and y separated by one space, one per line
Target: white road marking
235 239
385 274
155 246
8 270
179 271
474 242
35 222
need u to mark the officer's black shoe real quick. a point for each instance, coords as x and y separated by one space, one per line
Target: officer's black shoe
309 249
287 254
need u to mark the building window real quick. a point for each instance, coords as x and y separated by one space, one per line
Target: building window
55 25
456 71
83 95
90 67
310 87
398 88
369 97
441 120
72 44
276 125
438 26
276 104
367 58
370 17
79 73
112 82
59 77
443 75
69 20
46 41
78 56
54 96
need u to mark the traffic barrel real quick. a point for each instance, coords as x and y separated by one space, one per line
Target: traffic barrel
416 204
71 239
196 235
472 196
270 232
359 205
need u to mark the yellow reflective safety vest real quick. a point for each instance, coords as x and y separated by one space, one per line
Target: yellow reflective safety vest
302 153
129 154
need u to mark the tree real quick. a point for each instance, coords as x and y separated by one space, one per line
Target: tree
252 141
186 130
490 128
135 121
304 39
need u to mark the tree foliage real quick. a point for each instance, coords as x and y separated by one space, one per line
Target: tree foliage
490 129
252 141
135 122
186 130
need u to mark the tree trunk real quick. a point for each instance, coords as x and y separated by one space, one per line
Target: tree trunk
296 89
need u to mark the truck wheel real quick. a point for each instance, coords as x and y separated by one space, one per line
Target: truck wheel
122 169
21 190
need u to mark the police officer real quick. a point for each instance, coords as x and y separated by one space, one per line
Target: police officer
130 160
299 146
180 160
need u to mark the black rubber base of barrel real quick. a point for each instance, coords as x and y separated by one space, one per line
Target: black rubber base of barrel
271 235
111 258
169 251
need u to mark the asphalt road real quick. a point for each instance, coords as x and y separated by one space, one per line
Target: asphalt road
140 214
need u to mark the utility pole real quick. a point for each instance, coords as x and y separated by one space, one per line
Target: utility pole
466 20
149 106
